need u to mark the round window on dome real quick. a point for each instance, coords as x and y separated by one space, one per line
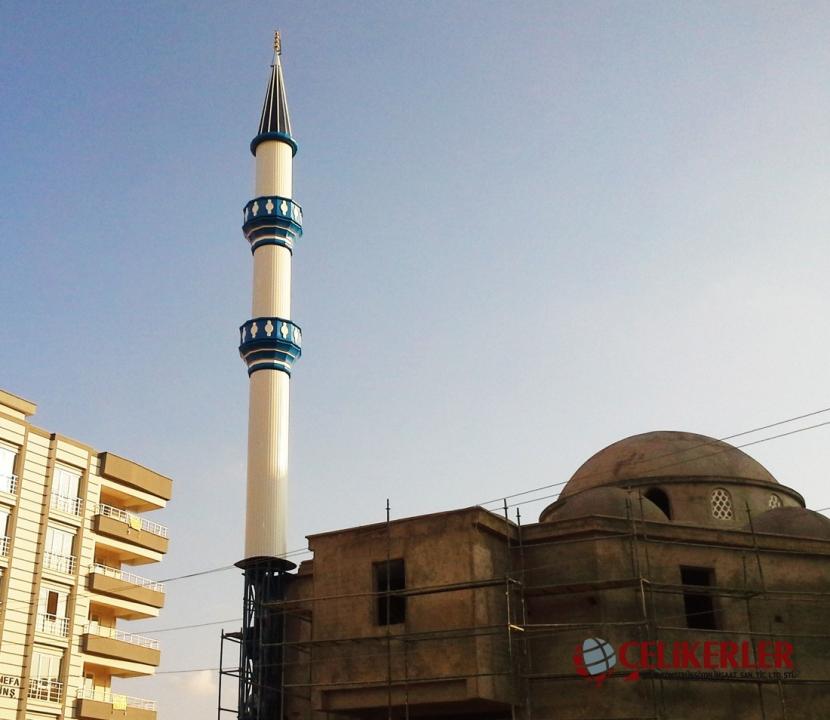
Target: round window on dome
722 505
774 502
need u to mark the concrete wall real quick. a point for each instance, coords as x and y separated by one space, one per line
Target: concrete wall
584 577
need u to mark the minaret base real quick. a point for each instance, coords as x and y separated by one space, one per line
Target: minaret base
261 648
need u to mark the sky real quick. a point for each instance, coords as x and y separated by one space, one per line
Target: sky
530 230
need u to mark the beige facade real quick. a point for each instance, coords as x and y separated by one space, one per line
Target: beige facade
71 525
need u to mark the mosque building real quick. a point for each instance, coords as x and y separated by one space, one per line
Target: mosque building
72 525
704 581
672 578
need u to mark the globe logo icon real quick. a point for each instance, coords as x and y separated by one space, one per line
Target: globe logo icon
595 659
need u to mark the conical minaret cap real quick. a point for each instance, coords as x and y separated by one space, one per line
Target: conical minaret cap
275 122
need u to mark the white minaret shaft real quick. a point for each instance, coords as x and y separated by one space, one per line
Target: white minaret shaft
270 342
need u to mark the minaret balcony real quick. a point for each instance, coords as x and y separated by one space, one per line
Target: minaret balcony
272 220
270 344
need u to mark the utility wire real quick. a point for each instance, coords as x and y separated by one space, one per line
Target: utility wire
719 451
694 447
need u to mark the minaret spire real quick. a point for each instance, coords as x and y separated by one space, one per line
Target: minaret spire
275 122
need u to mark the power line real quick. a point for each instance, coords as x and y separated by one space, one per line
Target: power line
195 625
719 451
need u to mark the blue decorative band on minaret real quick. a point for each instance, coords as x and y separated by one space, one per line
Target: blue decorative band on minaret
272 220
262 137
270 343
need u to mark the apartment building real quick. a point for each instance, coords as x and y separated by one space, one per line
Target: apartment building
72 528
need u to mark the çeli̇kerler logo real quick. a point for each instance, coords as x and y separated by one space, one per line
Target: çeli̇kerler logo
595 659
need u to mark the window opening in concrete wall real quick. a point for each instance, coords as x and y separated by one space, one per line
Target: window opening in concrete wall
699 606
660 499
391 609
722 504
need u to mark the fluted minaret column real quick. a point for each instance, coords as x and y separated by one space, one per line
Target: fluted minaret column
270 341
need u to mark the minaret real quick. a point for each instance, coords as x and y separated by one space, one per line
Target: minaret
269 341
269 344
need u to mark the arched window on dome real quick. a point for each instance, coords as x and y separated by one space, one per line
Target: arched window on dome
660 499
722 505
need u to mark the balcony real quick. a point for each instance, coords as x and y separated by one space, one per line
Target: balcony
102 704
46 690
59 563
126 586
4 546
52 625
121 525
111 643
8 484
127 473
64 504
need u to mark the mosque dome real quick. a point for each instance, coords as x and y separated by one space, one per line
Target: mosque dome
792 521
607 501
666 454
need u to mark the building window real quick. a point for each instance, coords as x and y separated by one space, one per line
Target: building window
722 505
774 502
57 554
660 499
390 577
51 618
45 681
699 606
65 485
4 531
8 461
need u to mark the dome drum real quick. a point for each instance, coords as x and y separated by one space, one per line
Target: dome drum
681 477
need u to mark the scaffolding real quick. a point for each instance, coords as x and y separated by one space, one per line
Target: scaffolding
277 669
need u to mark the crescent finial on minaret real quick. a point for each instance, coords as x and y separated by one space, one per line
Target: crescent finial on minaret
277 43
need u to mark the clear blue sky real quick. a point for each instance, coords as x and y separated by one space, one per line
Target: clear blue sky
530 230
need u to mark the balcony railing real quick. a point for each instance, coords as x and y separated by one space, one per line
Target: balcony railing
105 695
115 634
134 521
64 503
61 563
52 624
8 484
47 689
126 577
4 546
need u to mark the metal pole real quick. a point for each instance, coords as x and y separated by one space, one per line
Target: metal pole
527 669
509 614
221 666
388 614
